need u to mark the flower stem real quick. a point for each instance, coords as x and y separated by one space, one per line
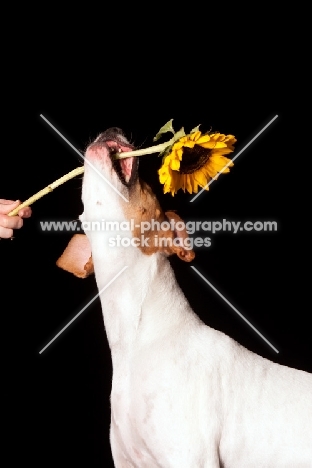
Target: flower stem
48 189
141 152
80 170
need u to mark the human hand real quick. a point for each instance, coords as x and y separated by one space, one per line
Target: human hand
8 223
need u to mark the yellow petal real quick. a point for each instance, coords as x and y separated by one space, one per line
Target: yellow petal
215 136
194 136
230 138
200 178
163 178
175 165
179 154
167 160
220 144
209 145
188 183
193 183
222 150
217 164
189 144
203 139
182 181
179 144
176 181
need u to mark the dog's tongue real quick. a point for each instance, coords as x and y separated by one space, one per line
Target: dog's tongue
126 167
125 163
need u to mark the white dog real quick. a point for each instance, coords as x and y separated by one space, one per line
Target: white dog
183 395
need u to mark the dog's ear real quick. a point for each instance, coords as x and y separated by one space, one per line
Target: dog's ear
77 258
183 250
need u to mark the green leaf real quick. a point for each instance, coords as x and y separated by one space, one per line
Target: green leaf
196 129
166 128
179 134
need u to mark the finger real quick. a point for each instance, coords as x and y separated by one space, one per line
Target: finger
25 212
8 205
5 233
10 222
6 202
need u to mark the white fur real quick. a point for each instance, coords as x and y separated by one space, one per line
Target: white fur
183 394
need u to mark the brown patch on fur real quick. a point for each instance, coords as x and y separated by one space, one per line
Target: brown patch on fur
143 206
186 255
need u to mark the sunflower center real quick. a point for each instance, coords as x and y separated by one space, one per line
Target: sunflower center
194 159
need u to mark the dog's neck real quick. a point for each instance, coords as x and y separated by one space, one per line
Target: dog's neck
142 303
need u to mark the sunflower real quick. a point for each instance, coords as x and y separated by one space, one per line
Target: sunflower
194 160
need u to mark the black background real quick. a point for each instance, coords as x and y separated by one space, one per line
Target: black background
56 405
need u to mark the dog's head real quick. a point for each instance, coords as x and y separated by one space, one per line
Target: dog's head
113 192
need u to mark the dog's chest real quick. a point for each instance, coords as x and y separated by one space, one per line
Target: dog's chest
133 421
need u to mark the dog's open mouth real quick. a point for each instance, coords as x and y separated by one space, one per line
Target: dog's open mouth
126 168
